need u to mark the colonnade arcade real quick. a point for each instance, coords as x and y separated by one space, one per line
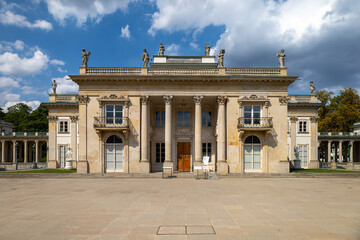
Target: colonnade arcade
339 147
23 147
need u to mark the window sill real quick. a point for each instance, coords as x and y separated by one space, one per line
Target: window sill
303 132
63 132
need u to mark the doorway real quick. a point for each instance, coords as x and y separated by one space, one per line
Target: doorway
183 156
114 154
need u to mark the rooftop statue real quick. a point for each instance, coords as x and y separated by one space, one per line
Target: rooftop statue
221 57
54 85
146 58
207 50
161 50
85 57
312 87
281 57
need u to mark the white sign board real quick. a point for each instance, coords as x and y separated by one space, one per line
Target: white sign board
206 160
197 167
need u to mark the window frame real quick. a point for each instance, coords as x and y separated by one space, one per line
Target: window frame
160 156
303 126
208 146
183 120
253 119
114 118
206 115
160 123
62 126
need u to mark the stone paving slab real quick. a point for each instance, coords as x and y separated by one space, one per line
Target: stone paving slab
123 208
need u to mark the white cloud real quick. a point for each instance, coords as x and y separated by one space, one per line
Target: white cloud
57 62
315 34
194 45
11 97
83 10
13 64
59 69
11 46
172 50
10 18
65 86
8 82
125 32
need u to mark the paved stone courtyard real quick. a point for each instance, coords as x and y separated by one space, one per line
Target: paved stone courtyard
232 208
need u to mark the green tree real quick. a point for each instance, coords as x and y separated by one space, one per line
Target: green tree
2 114
18 115
338 113
38 120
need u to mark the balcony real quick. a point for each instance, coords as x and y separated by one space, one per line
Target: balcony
111 123
263 123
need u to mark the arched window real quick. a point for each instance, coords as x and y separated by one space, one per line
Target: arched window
114 139
252 140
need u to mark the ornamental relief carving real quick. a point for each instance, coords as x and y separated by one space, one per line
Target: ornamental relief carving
222 100
198 99
113 96
74 119
284 100
168 99
293 119
144 99
184 131
254 97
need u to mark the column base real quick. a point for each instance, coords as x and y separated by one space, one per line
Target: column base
314 164
222 167
144 167
52 164
167 165
82 167
68 165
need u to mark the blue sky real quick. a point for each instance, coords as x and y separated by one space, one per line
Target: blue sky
41 40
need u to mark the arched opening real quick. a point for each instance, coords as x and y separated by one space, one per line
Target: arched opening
252 154
114 154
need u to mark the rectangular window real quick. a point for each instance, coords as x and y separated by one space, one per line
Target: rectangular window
252 114
160 152
206 119
303 127
303 154
62 155
63 127
206 150
114 113
160 119
183 119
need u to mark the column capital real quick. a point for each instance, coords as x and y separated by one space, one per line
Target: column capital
14 141
240 102
83 99
25 141
52 119
266 104
293 119
314 119
36 141
222 100
74 119
198 100
168 99
144 99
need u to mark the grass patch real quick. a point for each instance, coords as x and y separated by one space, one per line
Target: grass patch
322 171
45 171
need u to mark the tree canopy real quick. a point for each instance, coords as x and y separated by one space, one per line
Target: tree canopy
24 118
340 112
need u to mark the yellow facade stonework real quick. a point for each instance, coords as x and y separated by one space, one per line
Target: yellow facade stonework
138 120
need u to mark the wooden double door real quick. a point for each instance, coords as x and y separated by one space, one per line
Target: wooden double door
183 156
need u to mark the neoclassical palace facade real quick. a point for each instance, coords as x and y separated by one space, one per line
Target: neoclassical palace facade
178 111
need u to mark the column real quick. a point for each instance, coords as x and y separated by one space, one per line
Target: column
336 152
14 151
222 166
340 151
351 151
30 153
145 163
36 150
329 151
314 159
293 137
2 151
198 142
82 165
52 142
20 151
25 151
144 129
168 136
73 143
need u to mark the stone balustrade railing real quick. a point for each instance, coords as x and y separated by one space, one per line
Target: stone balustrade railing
24 134
111 122
263 122
187 71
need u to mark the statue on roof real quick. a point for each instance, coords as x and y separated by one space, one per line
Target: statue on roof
207 50
221 57
85 57
54 85
312 87
281 57
161 50
145 58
